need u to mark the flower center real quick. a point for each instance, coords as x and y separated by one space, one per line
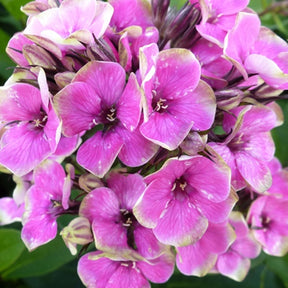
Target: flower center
159 105
128 221
41 121
179 189
111 114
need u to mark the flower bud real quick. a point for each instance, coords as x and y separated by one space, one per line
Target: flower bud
77 232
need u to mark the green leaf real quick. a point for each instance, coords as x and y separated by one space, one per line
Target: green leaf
13 7
11 247
279 265
5 62
43 260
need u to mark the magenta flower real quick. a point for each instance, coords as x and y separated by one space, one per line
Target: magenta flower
114 226
32 129
62 26
96 271
99 95
235 263
249 148
267 214
198 259
45 201
259 52
175 99
218 17
182 197
214 67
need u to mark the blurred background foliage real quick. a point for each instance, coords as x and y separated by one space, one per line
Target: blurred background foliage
52 265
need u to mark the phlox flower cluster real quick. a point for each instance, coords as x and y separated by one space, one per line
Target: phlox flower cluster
152 126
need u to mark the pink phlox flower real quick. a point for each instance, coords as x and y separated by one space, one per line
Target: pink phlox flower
235 263
218 17
175 101
45 201
110 212
32 128
99 95
259 52
213 66
132 39
249 146
267 214
183 197
100 271
199 258
62 26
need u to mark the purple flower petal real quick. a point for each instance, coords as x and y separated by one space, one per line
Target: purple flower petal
128 188
107 79
96 273
180 224
129 104
254 171
98 153
23 148
78 105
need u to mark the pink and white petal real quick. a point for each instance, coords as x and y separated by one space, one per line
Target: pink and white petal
192 260
247 247
254 171
258 119
212 33
23 148
50 174
211 179
237 180
180 224
215 212
52 130
153 201
127 276
9 211
268 70
178 72
15 47
20 102
238 44
127 13
232 265
101 204
128 188
129 104
107 79
96 273
98 153
160 269
228 7
109 235
78 105
137 150
147 244
66 147
38 230
203 104
164 130
260 146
